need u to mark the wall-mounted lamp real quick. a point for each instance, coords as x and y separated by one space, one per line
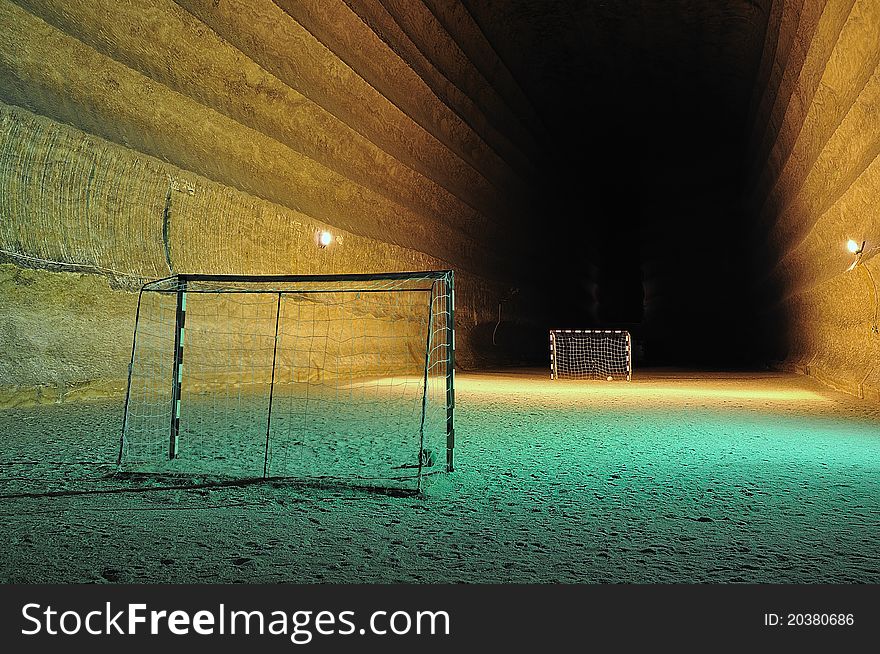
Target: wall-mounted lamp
325 238
861 256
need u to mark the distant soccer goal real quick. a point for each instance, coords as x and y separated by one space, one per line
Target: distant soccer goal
345 377
590 354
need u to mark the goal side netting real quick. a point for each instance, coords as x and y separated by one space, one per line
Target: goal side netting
347 377
590 354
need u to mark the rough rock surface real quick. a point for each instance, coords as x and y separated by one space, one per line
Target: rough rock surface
816 148
148 138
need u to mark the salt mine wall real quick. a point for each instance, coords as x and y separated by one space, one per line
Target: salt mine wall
146 138
816 184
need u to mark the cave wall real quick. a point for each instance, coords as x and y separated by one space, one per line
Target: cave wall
146 138
816 151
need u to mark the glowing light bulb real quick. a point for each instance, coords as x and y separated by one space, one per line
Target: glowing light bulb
853 246
325 239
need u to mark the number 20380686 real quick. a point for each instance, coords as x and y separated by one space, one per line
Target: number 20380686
809 619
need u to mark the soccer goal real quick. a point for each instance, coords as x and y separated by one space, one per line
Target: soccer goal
590 354
347 377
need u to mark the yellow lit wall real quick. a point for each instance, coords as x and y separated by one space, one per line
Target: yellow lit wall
816 151
144 138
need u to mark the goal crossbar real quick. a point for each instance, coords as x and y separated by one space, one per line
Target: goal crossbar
269 279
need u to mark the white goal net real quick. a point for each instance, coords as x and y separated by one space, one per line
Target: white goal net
344 377
590 354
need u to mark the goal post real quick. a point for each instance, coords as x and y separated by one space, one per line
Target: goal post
347 377
590 354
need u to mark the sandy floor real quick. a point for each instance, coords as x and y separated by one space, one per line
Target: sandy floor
674 477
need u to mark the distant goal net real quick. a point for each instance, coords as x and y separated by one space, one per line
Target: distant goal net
590 354
345 377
